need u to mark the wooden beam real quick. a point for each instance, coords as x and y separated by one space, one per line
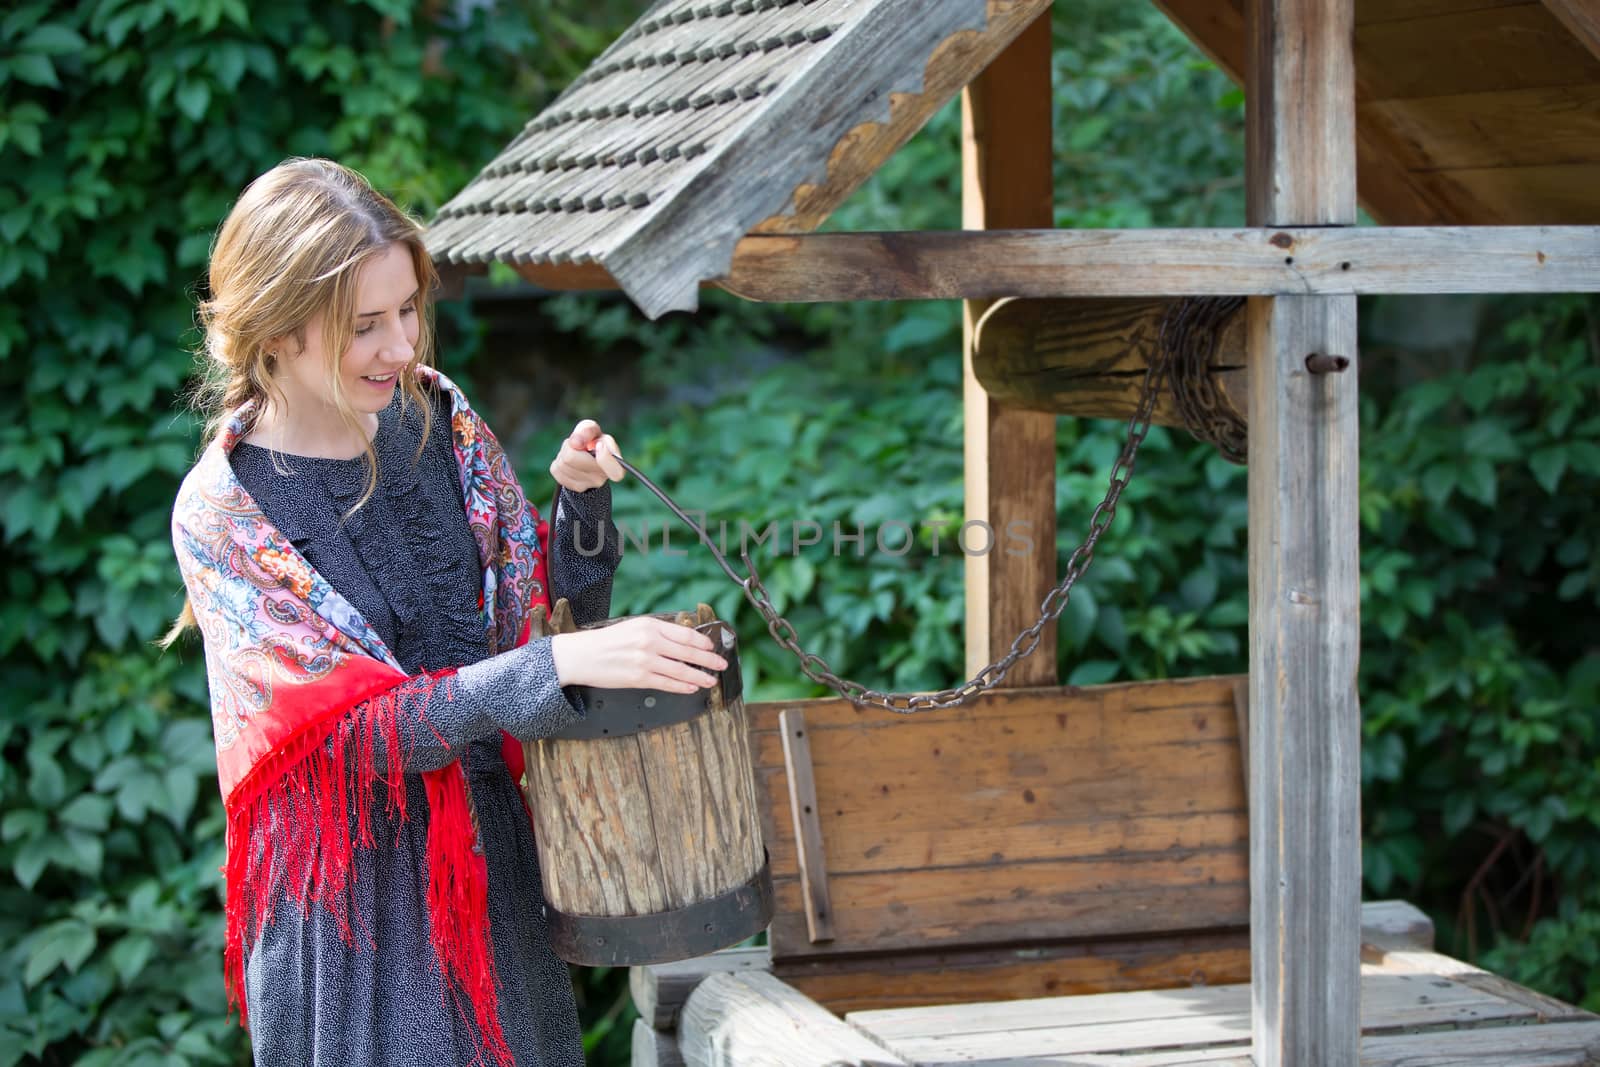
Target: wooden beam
1260 261
740 1019
806 820
1009 454
1582 20
1305 800
1089 357
1263 261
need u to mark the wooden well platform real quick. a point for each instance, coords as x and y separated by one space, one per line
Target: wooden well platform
1419 1008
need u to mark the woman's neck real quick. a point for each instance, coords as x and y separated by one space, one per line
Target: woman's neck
320 435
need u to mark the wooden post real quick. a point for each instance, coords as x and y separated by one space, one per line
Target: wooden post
1010 468
1305 802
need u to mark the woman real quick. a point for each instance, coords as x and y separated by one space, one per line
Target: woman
363 565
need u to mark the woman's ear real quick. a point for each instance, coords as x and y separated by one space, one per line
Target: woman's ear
283 347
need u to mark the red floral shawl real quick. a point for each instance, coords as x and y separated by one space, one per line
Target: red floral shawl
303 690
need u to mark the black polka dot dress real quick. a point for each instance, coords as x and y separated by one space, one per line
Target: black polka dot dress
408 563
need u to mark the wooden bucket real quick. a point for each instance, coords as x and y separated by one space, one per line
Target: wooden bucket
646 818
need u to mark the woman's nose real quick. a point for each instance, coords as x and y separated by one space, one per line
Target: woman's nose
399 349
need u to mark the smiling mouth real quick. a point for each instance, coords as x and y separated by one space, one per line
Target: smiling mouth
379 379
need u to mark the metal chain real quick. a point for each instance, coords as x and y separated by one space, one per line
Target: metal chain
1190 334
1156 372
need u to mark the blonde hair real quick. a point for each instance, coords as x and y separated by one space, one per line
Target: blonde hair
291 247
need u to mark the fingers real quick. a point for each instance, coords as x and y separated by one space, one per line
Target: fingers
676 678
692 646
589 445
605 453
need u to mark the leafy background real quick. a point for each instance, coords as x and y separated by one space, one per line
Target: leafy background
127 127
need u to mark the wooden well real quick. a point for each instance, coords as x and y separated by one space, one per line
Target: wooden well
646 817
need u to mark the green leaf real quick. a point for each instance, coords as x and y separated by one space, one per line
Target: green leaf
47 785
31 860
66 943
130 955
1439 481
1094 672
193 97
1478 481
88 811
1548 464
35 69
52 39
84 852
23 822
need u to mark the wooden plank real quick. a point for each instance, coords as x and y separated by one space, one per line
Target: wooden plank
1241 718
1511 128
1089 357
740 1019
1038 968
864 149
1416 961
1149 893
1131 1023
652 1048
1467 47
1395 924
1557 1045
954 265
1041 969
1557 194
1008 454
1389 192
1305 800
958 976
659 990
1370 12
812 859
1582 20
1561 1045
1026 814
1477 51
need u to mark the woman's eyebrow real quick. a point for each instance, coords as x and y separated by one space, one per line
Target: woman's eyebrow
407 300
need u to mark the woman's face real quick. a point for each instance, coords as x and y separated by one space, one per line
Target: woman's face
386 328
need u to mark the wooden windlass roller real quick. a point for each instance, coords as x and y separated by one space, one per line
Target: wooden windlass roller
646 818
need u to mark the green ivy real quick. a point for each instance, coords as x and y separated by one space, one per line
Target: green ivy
127 127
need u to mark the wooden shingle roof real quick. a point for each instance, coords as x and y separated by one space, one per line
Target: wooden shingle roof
710 119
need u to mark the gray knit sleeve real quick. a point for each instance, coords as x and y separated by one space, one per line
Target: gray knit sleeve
516 691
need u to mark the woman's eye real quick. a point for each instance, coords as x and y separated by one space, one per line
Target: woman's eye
362 331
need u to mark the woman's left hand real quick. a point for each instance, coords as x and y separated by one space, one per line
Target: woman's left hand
578 468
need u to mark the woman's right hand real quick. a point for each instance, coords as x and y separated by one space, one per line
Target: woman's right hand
639 653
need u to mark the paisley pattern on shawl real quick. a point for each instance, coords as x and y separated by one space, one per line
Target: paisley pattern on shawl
302 689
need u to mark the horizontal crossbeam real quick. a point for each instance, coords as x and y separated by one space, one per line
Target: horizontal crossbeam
1261 261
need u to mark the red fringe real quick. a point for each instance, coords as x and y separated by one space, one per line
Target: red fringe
289 833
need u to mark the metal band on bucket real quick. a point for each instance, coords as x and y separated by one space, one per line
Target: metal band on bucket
666 936
621 712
